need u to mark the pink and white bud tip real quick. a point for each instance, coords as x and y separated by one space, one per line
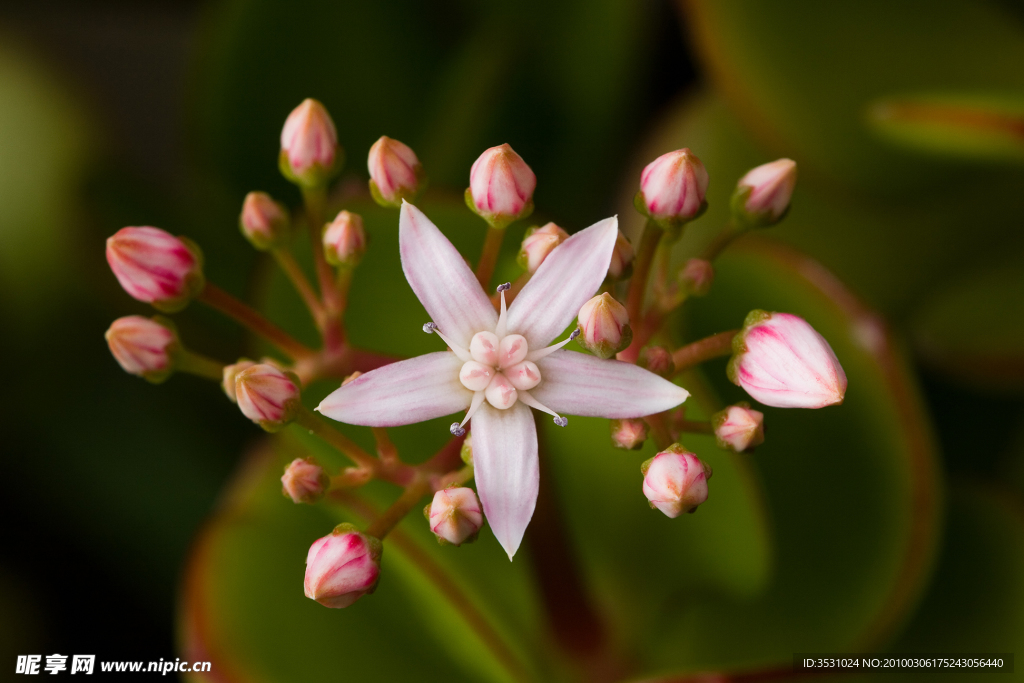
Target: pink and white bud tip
738 428
501 187
762 196
621 265
344 240
675 481
263 221
604 326
144 346
310 155
538 243
395 173
672 189
156 267
454 515
229 375
781 361
629 433
267 395
304 480
342 567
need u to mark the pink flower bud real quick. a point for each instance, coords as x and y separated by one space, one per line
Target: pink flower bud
143 346
538 243
696 277
501 186
762 195
267 396
263 221
604 326
304 481
310 154
621 265
454 515
230 374
156 267
629 434
395 172
342 567
781 361
344 240
672 187
675 481
738 428
658 360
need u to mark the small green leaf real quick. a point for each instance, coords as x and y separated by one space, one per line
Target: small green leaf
959 126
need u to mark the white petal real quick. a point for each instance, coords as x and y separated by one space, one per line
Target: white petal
402 393
579 384
442 281
506 470
566 280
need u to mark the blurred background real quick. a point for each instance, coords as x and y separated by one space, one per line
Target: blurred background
906 120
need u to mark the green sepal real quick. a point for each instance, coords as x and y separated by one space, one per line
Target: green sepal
316 176
745 220
606 350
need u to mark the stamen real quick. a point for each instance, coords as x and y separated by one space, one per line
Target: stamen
540 353
431 328
456 428
500 327
529 400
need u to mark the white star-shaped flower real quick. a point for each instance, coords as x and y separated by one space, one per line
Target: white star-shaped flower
499 366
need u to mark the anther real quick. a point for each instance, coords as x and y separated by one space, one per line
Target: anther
429 328
456 430
575 333
561 421
504 287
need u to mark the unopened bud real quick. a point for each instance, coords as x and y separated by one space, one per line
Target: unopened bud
229 375
675 481
156 267
310 155
621 265
672 189
454 515
762 196
738 428
658 360
466 452
696 277
342 567
304 481
629 433
344 240
501 186
144 346
267 396
604 326
395 172
264 222
781 361
538 243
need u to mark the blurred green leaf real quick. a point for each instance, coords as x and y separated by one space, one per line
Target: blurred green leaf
45 145
971 127
972 328
801 74
976 601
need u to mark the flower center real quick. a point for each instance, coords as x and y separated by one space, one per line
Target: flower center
499 367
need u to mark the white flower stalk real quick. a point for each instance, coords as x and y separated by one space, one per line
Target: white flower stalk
500 366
